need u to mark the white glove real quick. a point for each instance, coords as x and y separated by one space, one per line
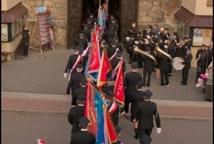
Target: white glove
158 130
65 74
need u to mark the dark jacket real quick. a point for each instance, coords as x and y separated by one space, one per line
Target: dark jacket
144 115
83 137
132 79
75 113
187 61
71 61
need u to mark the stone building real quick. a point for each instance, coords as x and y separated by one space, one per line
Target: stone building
67 15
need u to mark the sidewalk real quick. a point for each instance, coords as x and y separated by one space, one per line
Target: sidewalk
61 103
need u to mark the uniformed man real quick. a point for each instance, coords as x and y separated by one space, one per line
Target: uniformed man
145 112
133 31
76 81
164 63
136 96
79 90
87 32
83 136
148 67
25 40
83 42
70 67
75 113
187 65
130 82
128 44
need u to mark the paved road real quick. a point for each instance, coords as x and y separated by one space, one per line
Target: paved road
21 127
44 74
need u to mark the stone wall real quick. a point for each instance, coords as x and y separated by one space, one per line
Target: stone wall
58 10
159 12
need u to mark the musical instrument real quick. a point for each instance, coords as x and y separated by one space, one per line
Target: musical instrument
136 49
177 63
159 50
183 42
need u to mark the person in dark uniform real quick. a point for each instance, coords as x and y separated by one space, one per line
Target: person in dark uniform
86 31
148 68
200 57
83 42
164 63
70 69
187 65
130 82
128 44
25 40
112 49
77 82
83 136
136 96
79 90
75 113
133 31
145 112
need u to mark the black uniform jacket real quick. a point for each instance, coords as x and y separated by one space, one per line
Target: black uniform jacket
131 80
71 62
75 113
144 115
75 80
187 61
83 137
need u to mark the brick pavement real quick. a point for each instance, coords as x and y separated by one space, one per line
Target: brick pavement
44 74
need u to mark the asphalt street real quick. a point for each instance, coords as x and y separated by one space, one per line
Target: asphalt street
26 127
44 74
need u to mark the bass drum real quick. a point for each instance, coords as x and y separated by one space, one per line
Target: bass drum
177 63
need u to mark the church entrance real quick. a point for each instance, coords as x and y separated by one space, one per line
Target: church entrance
125 11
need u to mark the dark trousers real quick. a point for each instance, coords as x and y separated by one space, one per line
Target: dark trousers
25 50
142 132
127 100
139 61
68 89
73 99
185 73
164 76
146 73
198 73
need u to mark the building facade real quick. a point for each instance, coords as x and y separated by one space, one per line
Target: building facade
67 16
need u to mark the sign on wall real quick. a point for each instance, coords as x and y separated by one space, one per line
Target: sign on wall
43 18
202 36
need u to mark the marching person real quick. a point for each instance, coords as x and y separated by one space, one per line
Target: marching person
83 136
75 113
164 64
136 96
148 68
187 65
133 31
145 112
77 81
71 67
25 40
130 82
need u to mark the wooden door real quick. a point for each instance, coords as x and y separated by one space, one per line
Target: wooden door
129 10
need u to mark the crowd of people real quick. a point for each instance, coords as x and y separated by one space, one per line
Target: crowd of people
152 50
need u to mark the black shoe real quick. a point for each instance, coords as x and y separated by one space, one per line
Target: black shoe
148 85
162 84
136 133
170 74
184 84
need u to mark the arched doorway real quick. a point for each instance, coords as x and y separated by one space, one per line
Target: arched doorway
124 10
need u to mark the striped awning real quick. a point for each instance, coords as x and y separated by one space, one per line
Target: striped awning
192 20
14 13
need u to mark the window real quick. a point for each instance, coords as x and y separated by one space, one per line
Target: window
209 3
202 36
16 28
4 32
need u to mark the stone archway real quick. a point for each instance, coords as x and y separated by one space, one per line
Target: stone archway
127 11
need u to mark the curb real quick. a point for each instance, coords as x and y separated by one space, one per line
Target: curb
50 103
